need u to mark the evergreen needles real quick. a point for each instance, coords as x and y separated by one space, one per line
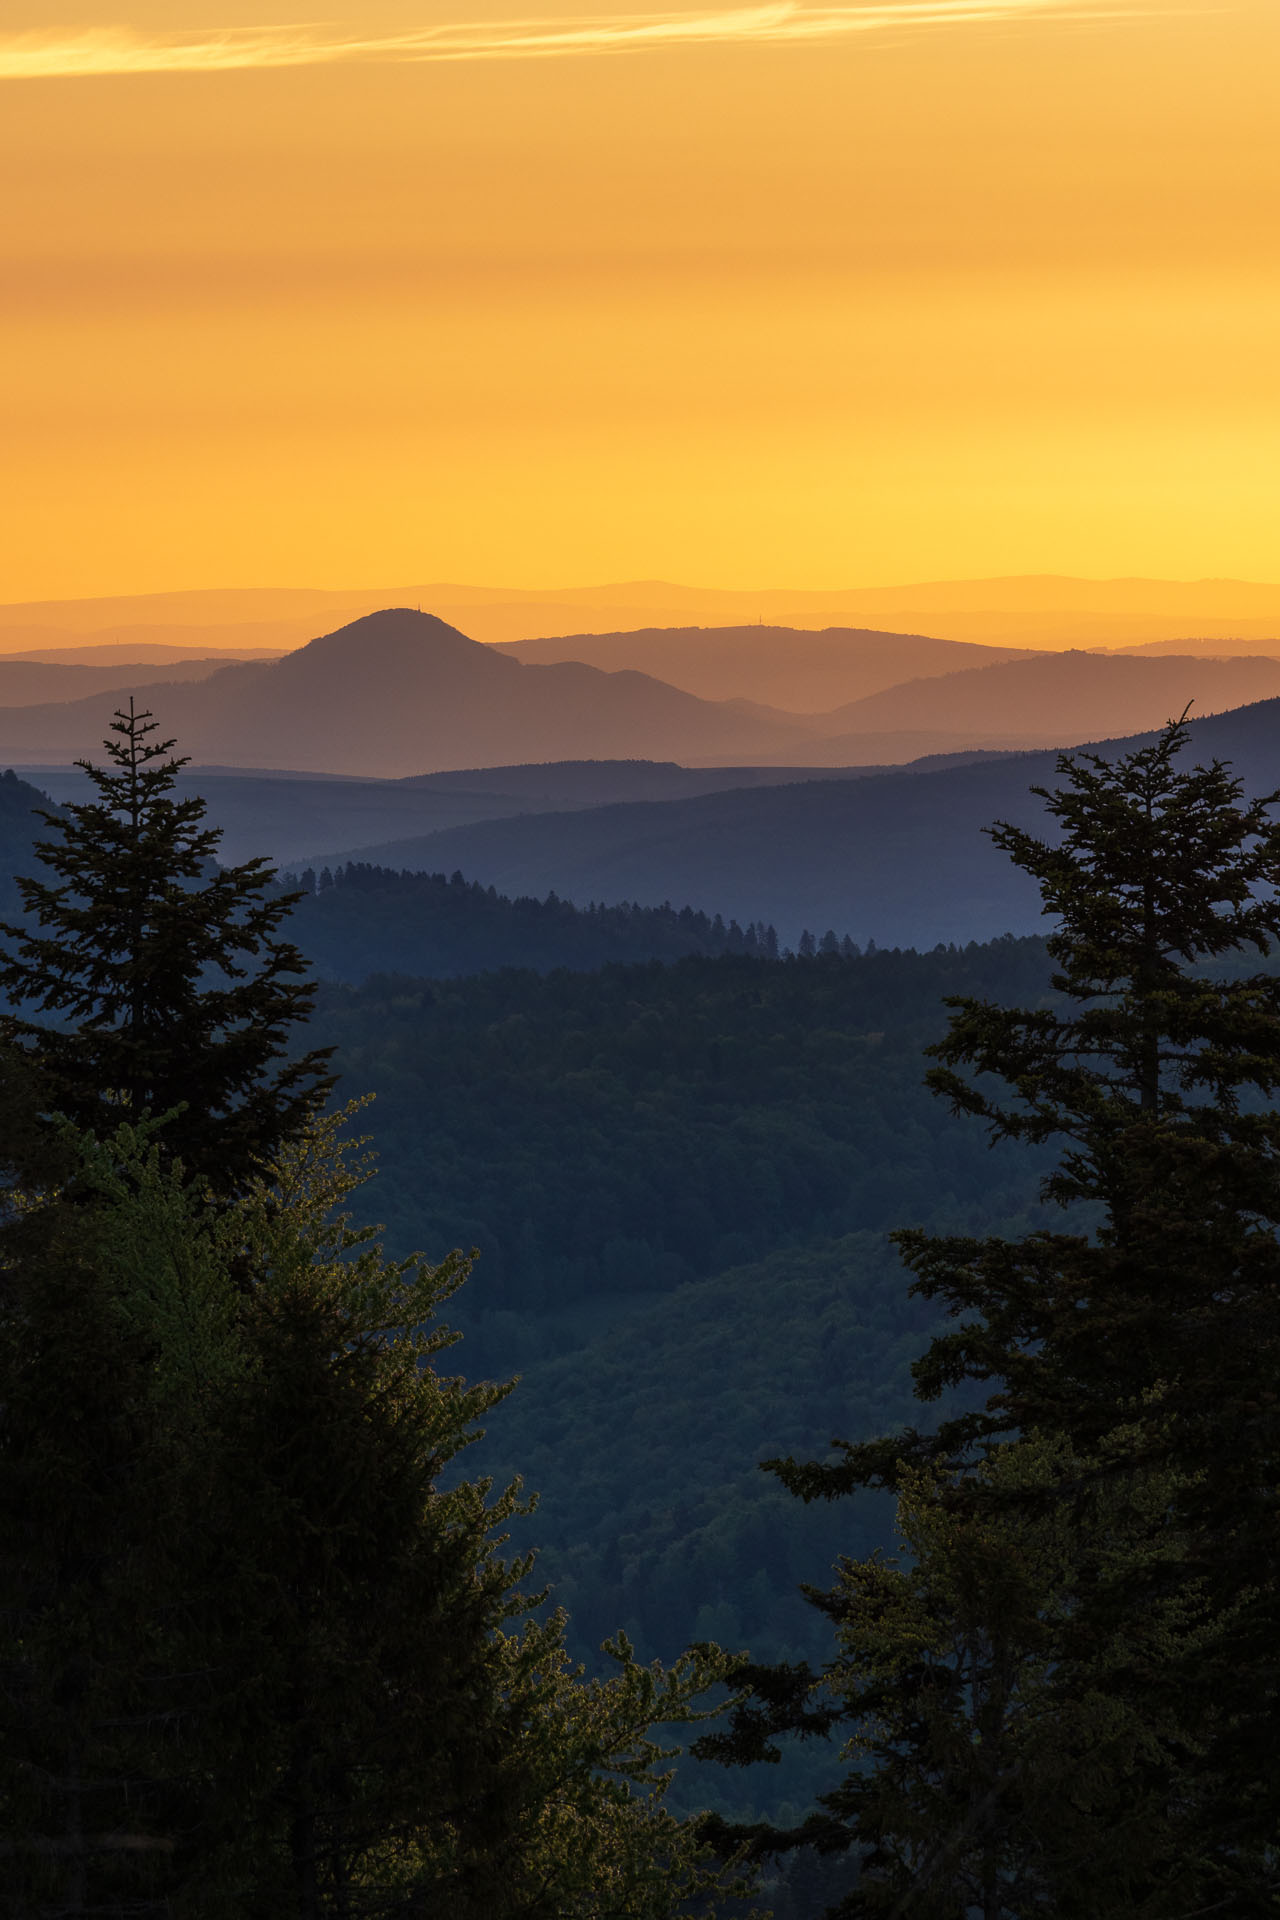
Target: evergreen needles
170 988
1064 1702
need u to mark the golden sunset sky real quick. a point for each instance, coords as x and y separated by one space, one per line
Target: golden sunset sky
776 295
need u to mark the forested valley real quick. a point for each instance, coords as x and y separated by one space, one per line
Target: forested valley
984 1236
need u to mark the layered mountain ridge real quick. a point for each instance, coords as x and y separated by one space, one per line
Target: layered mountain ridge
401 692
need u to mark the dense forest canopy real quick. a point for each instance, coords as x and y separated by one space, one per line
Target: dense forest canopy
356 920
628 1129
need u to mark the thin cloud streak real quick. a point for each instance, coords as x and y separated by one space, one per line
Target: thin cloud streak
111 51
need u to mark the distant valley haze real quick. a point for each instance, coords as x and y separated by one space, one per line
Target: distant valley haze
1018 611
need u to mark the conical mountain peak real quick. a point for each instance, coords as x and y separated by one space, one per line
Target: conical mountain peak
404 633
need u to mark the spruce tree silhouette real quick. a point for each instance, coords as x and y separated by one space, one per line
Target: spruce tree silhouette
170 987
1140 1348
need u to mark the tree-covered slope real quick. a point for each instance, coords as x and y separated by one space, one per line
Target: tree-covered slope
644 1444
624 1131
901 858
363 920
19 826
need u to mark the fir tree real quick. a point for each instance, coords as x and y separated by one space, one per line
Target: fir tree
1141 1348
166 976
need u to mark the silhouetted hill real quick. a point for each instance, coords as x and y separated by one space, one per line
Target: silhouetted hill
1061 697
900 858
1219 647
1018 611
287 815
127 653
559 784
401 692
786 667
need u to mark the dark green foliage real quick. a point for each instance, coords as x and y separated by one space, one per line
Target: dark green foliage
362 920
1133 1362
605 1134
644 1444
259 1659
166 978
201 1487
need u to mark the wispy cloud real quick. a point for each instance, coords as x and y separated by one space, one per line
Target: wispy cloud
70 54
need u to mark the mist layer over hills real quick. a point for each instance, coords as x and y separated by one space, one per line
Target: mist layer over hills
287 815
1043 610
900 858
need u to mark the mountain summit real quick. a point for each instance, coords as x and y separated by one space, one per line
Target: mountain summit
399 692
396 641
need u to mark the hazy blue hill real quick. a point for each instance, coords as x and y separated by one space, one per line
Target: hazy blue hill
283 815
19 826
288 815
789 667
400 692
561 784
900 858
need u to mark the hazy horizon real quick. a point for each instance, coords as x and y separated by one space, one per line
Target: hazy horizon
1050 611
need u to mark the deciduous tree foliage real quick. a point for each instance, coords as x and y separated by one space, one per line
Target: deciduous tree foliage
262 1655
1141 1349
167 979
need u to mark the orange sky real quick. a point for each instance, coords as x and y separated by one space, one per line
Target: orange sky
807 297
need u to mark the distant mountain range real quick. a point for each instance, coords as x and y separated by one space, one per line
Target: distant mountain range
782 666
33 683
401 692
900 858
286 815
1066 695
1043 610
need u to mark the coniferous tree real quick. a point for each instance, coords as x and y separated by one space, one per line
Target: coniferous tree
166 977
1142 1348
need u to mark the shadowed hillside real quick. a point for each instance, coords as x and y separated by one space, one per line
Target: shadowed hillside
901 858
